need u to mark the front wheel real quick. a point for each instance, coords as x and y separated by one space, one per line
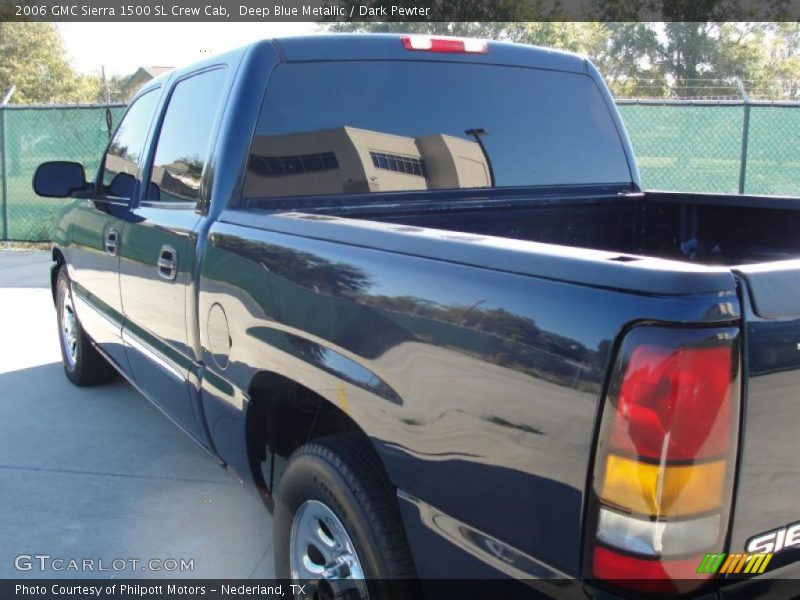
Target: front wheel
337 529
83 364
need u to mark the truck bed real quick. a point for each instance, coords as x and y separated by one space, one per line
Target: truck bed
754 239
730 258
700 228
681 242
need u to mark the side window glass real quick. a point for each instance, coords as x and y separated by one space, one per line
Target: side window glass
184 138
121 163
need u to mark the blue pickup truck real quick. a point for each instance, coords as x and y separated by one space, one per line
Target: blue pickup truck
411 288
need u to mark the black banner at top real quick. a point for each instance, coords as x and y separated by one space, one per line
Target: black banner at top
399 10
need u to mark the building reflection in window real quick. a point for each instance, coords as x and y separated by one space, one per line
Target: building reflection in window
351 160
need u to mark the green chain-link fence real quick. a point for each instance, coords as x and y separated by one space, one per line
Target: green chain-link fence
727 147
686 146
35 134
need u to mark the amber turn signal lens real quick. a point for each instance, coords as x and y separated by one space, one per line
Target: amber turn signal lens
663 491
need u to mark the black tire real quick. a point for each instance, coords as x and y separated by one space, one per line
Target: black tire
343 473
87 367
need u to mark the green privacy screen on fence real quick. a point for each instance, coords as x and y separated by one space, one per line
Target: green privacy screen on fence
773 153
32 135
686 146
697 147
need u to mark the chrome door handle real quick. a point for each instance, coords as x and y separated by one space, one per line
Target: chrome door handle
168 263
112 242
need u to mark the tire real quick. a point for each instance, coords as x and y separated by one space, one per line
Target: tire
341 476
83 364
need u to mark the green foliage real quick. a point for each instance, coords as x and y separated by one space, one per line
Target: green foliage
779 78
32 58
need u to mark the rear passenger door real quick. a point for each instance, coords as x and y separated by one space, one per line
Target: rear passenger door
159 247
97 224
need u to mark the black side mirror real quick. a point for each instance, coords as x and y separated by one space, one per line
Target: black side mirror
59 179
122 185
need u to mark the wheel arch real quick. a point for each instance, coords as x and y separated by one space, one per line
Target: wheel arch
60 261
282 415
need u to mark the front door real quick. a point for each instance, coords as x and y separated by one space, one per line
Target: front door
96 230
159 250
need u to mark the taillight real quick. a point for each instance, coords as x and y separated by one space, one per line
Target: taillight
427 43
665 458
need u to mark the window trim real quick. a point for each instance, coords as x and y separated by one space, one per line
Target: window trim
156 136
98 183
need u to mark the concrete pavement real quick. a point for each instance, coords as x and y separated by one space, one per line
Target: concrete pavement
99 473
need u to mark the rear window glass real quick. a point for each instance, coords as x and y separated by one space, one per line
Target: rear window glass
379 126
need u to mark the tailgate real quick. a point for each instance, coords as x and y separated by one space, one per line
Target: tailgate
767 499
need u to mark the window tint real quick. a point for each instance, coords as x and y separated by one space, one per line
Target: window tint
184 138
121 164
382 126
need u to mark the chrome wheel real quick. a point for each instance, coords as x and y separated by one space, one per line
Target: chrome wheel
69 328
322 554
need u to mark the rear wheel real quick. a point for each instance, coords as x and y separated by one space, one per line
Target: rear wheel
337 529
83 364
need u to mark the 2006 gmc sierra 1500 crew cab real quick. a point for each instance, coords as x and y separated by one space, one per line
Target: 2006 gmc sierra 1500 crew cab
411 288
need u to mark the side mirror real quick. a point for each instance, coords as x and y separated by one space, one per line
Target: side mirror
59 179
122 185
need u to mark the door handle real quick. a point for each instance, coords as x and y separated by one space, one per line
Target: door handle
168 263
112 242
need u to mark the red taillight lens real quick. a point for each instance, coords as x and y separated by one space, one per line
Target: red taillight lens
674 403
664 465
427 43
651 575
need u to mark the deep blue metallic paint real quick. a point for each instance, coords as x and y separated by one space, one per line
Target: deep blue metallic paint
497 375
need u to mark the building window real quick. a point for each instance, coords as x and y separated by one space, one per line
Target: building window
399 163
272 166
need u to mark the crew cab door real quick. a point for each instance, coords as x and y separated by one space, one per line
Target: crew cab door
159 249
97 225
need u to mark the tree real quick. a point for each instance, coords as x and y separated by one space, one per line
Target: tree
779 77
628 58
702 58
33 60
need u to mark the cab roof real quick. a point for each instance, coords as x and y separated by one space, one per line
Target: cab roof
374 46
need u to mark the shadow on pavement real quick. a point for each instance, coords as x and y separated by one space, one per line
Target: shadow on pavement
99 473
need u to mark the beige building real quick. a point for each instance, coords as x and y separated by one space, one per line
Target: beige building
142 75
352 160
